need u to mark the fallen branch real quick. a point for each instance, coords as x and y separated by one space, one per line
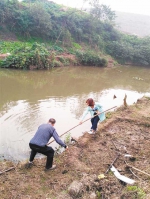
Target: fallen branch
134 173
137 169
112 163
7 170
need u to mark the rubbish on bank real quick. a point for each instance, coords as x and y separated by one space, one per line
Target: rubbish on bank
121 177
127 155
101 176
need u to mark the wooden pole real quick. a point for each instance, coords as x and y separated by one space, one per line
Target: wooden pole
82 123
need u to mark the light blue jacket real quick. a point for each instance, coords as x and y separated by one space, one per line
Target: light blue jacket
90 110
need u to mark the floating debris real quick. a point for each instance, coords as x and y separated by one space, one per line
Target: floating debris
138 78
114 97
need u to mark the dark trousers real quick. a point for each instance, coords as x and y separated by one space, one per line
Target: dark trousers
94 122
48 151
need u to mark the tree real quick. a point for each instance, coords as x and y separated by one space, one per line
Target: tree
100 11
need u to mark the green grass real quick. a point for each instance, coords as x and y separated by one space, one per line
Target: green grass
140 193
10 47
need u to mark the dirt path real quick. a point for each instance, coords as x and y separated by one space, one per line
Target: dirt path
126 131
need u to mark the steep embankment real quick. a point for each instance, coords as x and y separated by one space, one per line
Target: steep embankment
126 131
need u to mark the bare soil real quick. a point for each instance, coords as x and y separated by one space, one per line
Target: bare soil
125 131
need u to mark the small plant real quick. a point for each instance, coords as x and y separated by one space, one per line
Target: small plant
140 193
67 138
108 115
98 193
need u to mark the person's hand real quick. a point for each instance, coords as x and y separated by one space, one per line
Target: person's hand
66 148
80 122
98 113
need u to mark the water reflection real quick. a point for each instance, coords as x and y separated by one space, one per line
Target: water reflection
30 98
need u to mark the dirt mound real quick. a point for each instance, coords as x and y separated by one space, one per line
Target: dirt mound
124 137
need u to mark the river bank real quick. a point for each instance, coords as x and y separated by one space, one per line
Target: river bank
126 131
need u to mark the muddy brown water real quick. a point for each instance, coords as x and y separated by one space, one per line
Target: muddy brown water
30 98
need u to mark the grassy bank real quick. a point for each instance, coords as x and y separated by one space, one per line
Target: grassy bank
28 55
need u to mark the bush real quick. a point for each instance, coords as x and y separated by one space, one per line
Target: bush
76 45
25 57
90 59
55 63
57 48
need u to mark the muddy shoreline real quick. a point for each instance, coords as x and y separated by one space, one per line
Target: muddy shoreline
85 165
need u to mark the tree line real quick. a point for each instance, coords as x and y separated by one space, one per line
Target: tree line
73 29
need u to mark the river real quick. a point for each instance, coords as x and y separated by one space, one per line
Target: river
30 98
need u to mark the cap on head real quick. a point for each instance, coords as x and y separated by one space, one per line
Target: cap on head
52 120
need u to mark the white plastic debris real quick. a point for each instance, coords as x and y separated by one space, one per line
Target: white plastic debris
127 155
121 177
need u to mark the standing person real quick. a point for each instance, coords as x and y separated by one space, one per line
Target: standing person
38 143
94 109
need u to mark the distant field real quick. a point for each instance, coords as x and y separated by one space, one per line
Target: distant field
133 23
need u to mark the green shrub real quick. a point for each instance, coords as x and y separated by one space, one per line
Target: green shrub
55 63
67 61
140 193
76 45
11 47
90 58
25 57
56 48
67 138
62 60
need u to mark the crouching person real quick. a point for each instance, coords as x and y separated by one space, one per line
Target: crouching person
38 143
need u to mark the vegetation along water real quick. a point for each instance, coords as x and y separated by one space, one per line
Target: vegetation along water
41 31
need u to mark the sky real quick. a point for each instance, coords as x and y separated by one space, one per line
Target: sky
131 6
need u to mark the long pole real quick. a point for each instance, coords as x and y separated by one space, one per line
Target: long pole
82 123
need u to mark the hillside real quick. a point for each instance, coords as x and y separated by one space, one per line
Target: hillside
133 23
125 22
66 30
